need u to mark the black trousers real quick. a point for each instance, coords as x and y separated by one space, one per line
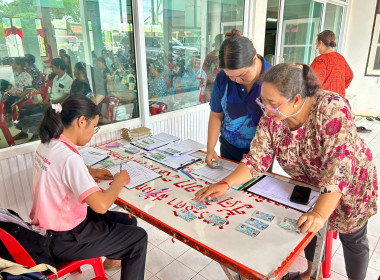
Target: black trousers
112 234
355 251
231 152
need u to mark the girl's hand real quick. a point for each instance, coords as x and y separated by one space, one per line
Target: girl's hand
310 222
122 178
99 174
212 191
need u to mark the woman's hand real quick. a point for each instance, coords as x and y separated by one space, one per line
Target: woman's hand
99 174
310 222
210 156
121 178
212 191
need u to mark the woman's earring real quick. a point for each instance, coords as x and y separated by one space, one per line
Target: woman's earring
295 106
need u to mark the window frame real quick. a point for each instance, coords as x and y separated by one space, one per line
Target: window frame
374 45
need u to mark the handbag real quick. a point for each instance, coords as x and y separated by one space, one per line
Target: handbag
13 271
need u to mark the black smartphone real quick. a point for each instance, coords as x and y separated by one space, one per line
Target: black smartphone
300 195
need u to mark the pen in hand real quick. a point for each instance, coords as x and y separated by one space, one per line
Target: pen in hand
121 167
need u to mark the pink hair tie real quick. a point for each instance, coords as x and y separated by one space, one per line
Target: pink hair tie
57 107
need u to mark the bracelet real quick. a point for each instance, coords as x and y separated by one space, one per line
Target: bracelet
224 183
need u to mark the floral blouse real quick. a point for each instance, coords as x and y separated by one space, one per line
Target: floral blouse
22 80
325 152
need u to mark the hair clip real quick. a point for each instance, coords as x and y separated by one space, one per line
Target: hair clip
57 108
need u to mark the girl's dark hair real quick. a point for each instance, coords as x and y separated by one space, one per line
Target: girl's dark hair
20 61
291 79
4 84
236 51
81 66
327 37
67 56
75 106
58 62
30 59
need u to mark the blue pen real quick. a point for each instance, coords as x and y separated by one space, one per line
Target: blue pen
187 174
121 167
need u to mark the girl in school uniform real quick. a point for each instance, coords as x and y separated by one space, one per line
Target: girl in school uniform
67 201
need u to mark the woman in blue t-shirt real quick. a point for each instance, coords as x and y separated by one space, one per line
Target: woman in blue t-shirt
234 113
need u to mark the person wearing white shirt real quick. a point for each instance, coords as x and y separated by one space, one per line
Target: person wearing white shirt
61 82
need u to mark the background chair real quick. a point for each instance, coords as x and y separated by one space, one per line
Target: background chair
21 256
3 123
108 108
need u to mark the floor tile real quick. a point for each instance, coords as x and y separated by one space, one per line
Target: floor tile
299 265
157 260
143 224
377 248
147 275
338 265
157 236
336 276
372 274
194 260
213 271
175 271
198 277
374 262
373 229
175 249
150 246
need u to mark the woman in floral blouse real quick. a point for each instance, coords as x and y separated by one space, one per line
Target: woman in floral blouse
312 134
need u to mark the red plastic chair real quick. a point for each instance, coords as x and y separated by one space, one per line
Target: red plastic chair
112 103
326 264
21 256
3 123
202 95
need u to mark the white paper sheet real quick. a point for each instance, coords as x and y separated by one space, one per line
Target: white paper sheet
280 191
92 155
139 174
183 147
214 175
175 162
156 141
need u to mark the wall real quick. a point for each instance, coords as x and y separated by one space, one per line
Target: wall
356 48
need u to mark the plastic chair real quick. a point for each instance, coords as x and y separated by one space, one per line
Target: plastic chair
112 102
202 95
3 123
21 256
326 264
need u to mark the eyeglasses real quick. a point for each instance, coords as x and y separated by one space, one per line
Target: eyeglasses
96 128
273 110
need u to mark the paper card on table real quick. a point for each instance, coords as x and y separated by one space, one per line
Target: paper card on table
289 224
256 223
217 164
130 149
139 174
158 156
263 216
113 144
183 147
247 230
199 205
92 155
156 141
186 215
216 220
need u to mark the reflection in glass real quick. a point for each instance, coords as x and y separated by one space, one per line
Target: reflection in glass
333 19
376 65
182 45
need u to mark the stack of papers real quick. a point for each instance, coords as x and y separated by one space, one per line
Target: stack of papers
92 155
139 174
181 148
156 141
280 191
214 175
173 162
136 133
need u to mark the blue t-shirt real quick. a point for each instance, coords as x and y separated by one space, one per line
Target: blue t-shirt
241 112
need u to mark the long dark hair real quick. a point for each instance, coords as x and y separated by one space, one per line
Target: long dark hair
292 78
236 51
75 106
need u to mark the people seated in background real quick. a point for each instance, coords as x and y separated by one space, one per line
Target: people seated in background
81 85
102 76
61 52
61 82
66 58
107 59
33 71
156 83
194 75
22 86
124 82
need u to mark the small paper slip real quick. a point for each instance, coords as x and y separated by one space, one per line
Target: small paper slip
173 162
250 231
289 224
183 147
139 174
156 141
214 175
92 155
280 191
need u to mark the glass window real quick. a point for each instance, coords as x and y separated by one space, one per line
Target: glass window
373 65
94 40
182 43
302 20
333 19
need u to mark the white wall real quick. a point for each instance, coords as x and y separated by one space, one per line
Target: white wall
356 47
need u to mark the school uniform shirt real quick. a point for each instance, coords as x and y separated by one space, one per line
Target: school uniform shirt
61 86
61 182
325 152
333 72
241 112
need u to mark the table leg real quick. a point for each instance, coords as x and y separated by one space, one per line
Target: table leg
321 238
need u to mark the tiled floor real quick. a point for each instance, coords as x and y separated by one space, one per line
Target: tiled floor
176 261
